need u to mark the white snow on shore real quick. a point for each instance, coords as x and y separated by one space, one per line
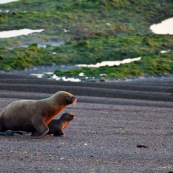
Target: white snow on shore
15 33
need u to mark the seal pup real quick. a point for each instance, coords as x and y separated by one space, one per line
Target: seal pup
57 126
34 115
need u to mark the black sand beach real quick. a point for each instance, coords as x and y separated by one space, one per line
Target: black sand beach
121 127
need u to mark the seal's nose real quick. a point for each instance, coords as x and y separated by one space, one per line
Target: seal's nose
74 99
72 116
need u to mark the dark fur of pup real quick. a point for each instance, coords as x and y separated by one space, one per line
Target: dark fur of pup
57 126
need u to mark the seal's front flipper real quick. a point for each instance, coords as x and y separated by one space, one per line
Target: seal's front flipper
40 126
19 132
7 133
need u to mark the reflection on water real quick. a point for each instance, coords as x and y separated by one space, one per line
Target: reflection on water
38 75
165 51
165 27
110 63
56 77
65 78
104 63
44 45
6 1
15 33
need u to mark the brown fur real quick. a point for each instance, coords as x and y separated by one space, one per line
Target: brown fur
24 115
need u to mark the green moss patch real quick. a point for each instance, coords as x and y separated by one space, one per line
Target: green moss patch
93 31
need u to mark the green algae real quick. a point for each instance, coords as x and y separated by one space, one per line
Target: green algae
148 65
96 31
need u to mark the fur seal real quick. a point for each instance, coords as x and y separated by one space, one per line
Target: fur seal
56 126
34 115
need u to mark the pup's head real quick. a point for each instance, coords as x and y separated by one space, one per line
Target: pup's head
67 116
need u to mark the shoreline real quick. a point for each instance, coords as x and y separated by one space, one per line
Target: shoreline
46 70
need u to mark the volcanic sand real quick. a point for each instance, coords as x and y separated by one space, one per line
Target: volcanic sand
120 127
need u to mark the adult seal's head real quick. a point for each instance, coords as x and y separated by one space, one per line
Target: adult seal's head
24 115
63 98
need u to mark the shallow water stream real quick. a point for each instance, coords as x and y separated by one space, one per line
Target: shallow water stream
165 27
